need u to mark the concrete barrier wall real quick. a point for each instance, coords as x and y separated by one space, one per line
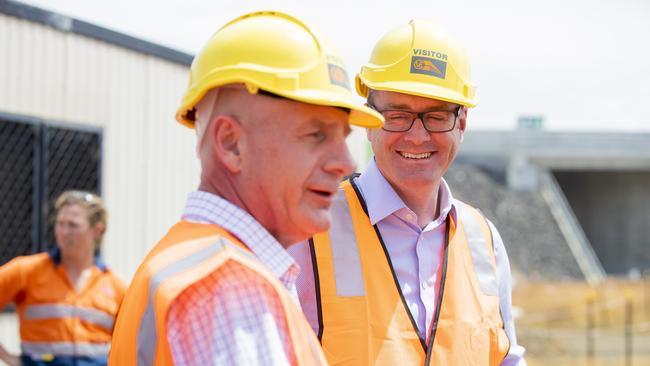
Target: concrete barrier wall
614 211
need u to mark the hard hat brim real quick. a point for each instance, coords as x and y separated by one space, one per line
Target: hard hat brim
360 115
418 89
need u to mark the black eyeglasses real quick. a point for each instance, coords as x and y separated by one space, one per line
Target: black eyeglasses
436 121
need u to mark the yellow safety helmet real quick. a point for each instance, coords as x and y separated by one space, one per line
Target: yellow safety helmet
277 53
419 59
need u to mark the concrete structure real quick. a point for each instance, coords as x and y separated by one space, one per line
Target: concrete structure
597 185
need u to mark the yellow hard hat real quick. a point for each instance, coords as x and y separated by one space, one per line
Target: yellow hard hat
277 53
419 59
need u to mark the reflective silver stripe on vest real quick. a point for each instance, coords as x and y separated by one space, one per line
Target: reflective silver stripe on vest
348 274
38 349
148 332
57 311
485 271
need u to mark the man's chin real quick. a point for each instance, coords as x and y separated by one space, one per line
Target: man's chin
307 227
318 221
417 180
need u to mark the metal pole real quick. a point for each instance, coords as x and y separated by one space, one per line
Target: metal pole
646 291
628 328
591 351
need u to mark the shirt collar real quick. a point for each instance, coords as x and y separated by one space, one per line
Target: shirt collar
447 204
208 208
382 200
55 256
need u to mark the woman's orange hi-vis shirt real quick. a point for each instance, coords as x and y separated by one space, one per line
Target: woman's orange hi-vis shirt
57 322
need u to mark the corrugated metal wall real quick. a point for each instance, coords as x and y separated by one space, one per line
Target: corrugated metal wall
147 157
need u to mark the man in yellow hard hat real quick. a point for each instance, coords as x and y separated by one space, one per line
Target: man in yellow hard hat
270 102
406 275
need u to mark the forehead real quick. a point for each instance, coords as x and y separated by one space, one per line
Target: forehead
289 113
388 99
72 211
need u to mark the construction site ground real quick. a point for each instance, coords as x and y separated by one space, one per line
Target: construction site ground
557 321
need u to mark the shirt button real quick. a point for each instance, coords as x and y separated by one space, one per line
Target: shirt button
409 217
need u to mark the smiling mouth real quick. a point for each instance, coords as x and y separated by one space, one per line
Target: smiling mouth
406 155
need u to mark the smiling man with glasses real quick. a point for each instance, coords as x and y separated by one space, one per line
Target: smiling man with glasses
401 120
406 275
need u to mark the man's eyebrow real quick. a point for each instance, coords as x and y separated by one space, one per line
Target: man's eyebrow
404 107
397 106
320 123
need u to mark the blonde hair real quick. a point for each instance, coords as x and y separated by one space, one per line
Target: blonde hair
91 202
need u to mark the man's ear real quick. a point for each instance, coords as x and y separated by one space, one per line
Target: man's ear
462 122
98 230
463 118
369 133
225 136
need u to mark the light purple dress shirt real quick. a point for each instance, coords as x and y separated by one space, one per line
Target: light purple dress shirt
415 255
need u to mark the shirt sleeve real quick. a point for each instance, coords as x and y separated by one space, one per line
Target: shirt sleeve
13 280
232 317
515 356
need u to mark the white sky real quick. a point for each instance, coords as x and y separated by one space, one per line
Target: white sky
581 64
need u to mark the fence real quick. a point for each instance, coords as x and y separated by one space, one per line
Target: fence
38 160
576 324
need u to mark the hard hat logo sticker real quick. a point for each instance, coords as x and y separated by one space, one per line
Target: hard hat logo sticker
428 66
338 76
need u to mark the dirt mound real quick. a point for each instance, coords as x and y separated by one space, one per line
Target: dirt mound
535 245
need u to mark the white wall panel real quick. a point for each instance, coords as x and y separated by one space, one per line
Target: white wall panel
148 161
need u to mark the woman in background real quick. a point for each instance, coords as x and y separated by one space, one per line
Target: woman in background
66 299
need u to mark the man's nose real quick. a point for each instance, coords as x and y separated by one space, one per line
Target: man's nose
341 162
417 134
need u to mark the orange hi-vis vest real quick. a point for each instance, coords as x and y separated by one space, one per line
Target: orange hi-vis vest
56 320
188 253
363 317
